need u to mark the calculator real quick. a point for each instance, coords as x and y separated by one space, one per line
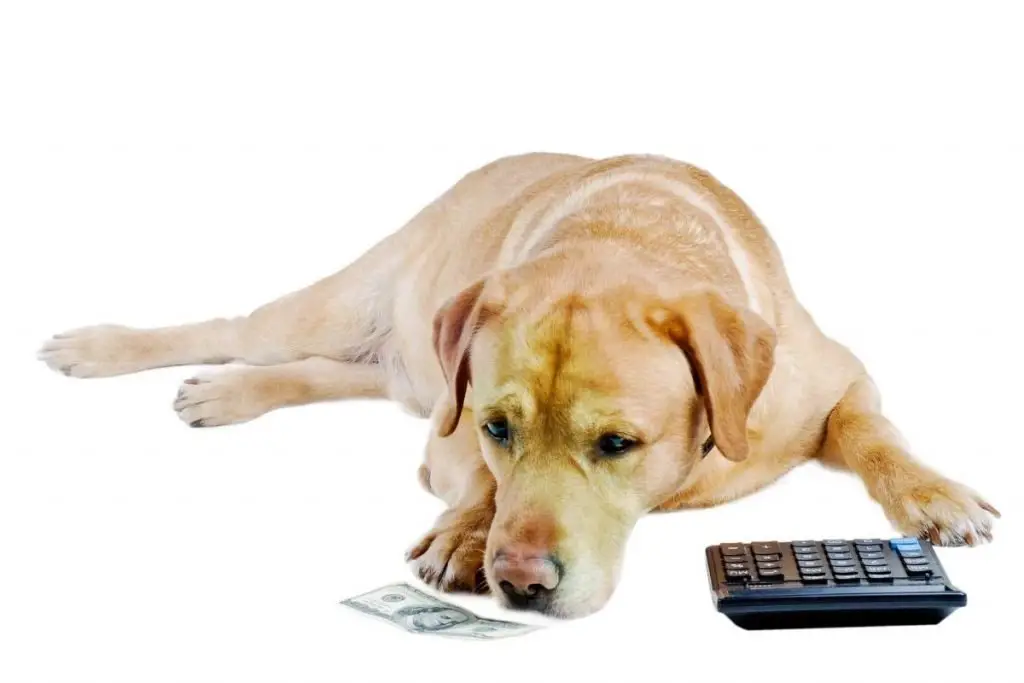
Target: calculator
830 583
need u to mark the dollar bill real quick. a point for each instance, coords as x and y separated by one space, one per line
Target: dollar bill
417 612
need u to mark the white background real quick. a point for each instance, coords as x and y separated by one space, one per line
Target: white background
167 162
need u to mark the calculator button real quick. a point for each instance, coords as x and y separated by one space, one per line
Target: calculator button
834 541
872 556
803 543
833 550
915 560
774 557
808 564
911 553
847 577
839 556
737 574
735 565
770 573
909 543
880 576
843 563
867 541
812 571
807 554
869 548
768 565
919 570
813 578
733 549
844 570
766 548
874 563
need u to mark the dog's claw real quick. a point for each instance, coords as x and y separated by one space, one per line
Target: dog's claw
196 423
417 550
988 507
481 582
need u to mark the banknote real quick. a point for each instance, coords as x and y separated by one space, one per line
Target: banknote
417 612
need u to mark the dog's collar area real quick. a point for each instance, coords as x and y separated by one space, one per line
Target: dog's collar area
706 448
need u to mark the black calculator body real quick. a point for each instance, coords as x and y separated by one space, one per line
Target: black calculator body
830 583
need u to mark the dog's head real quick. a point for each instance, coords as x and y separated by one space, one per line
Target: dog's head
591 409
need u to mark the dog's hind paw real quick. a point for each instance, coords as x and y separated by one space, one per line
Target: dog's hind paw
99 351
451 556
945 512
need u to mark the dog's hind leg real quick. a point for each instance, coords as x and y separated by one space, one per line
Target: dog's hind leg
918 501
343 316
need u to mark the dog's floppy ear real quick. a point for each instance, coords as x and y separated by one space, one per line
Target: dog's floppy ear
455 325
731 352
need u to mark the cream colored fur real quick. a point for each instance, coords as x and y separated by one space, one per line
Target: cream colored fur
602 285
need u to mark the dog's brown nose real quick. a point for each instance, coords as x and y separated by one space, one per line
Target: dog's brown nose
527 576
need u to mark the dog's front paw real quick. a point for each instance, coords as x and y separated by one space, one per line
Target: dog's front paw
99 351
451 556
213 400
945 512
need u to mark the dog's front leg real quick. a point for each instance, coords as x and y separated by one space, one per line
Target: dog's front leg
451 555
918 500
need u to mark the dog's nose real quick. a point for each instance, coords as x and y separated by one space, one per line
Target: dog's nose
527 576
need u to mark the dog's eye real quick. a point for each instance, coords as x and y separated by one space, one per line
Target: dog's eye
615 444
498 430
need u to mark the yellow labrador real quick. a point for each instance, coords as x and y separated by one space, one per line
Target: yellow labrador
593 340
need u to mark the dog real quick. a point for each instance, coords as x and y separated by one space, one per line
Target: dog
592 340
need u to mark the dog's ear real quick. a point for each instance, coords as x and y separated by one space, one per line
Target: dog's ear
455 325
731 353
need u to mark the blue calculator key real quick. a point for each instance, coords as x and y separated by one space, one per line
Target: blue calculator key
905 543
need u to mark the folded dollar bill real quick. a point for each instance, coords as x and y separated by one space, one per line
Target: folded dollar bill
417 612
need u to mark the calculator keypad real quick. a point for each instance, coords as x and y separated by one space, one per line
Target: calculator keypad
838 561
